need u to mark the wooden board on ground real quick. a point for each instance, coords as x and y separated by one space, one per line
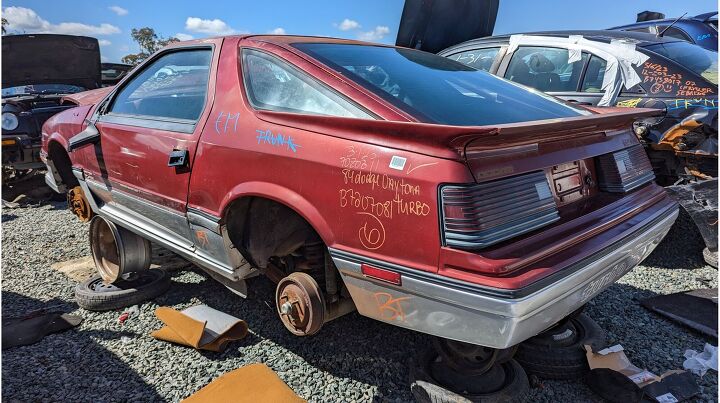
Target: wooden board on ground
77 269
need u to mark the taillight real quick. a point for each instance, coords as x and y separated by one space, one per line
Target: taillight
479 215
624 170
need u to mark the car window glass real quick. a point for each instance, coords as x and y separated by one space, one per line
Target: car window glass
481 59
173 86
594 75
639 29
699 60
436 89
546 69
673 32
274 85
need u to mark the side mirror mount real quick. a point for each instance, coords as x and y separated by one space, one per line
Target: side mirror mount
90 135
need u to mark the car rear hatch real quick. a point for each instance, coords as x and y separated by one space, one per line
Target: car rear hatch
541 189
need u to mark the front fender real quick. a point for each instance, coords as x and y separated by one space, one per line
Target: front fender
285 196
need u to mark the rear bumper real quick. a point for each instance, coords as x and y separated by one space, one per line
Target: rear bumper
493 317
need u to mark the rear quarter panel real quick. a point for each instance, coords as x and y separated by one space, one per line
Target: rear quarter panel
377 201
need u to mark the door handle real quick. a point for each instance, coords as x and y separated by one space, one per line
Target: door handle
178 158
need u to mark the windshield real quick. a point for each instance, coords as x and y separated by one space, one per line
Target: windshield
436 89
42 89
699 60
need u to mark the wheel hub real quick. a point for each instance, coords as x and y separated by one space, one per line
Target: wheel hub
300 304
469 368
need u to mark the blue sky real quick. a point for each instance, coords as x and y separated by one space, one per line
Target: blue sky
374 20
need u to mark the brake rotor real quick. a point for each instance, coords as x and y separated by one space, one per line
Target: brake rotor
78 204
300 304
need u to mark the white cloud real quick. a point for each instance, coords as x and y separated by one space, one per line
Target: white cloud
118 10
26 20
104 42
375 35
210 27
348 24
104 59
183 37
278 31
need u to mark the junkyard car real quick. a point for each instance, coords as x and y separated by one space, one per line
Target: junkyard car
629 70
424 193
112 73
702 30
621 69
38 70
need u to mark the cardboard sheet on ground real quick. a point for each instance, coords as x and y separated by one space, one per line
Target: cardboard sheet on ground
697 309
672 386
253 383
200 327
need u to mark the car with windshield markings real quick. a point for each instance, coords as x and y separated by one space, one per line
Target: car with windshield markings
669 74
413 188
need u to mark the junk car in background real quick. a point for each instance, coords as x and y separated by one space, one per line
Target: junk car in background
702 30
112 73
453 202
37 71
599 68
622 69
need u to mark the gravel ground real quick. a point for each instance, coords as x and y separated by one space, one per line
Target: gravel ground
351 359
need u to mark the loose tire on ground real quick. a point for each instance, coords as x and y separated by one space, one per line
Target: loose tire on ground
559 355
94 295
710 257
425 388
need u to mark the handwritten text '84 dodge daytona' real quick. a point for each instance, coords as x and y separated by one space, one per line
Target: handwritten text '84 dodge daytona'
422 192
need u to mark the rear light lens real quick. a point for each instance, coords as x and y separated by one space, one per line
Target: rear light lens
381 274
479 215
624 170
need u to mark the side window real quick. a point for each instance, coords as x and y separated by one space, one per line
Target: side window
594 75
174 86
673 32
274 85
546 69
639 29
481 59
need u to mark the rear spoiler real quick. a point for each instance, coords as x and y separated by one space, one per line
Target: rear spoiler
449 142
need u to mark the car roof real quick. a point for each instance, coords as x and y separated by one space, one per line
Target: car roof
604 36
678 21
284 40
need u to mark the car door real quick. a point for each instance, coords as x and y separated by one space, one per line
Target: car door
149 130
547 69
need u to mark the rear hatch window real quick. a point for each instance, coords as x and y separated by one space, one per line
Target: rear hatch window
435 89
698 60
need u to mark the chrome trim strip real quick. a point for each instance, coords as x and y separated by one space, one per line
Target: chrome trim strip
128 220
179 126
461 311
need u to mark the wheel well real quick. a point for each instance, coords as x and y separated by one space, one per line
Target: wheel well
62 164
262 228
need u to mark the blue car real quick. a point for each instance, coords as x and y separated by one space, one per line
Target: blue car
701 30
